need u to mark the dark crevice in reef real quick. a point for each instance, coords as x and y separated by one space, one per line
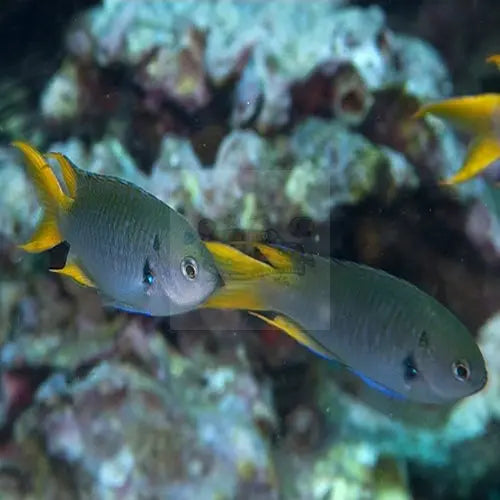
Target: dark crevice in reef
32 40
36 28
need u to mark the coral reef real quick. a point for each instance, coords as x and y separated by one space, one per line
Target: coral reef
178 432
182 55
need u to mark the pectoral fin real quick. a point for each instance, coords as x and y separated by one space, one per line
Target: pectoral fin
482 152
74 271
296 332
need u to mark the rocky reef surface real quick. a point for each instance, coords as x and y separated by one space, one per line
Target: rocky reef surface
249 117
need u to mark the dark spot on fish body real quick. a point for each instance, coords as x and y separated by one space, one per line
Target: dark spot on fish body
410 368
147 274
58 255
156 243
423 340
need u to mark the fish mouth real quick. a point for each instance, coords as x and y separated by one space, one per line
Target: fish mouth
473 388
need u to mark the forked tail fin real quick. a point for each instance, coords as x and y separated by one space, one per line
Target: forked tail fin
51 196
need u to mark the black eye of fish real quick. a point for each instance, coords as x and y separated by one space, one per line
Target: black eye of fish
410 370
189 268
147 274
461 370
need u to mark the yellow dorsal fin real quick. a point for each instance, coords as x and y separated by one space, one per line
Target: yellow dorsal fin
495 59
278 258
296 332
68 172
46 236
73 270
236 265
482 152
472 114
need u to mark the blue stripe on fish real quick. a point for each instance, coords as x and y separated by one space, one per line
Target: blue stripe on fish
379 387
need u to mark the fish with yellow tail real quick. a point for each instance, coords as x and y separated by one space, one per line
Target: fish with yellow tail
140 254
394 336
479 116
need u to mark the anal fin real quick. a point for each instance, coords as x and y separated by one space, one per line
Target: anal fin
74 271
296 332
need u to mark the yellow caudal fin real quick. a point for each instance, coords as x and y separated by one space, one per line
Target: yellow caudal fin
236 265
236 295
246 277
495 59
241 274
51 196
46 236
48 188
68 171
296 332
74 271
278 258
482 152
472 114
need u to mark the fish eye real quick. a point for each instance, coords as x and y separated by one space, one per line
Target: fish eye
189 268
461 370
147 274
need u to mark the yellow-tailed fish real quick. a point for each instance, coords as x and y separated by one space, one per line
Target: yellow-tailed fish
495 59
140 254
395 337
478 115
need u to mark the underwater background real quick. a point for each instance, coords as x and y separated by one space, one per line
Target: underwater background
285 121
